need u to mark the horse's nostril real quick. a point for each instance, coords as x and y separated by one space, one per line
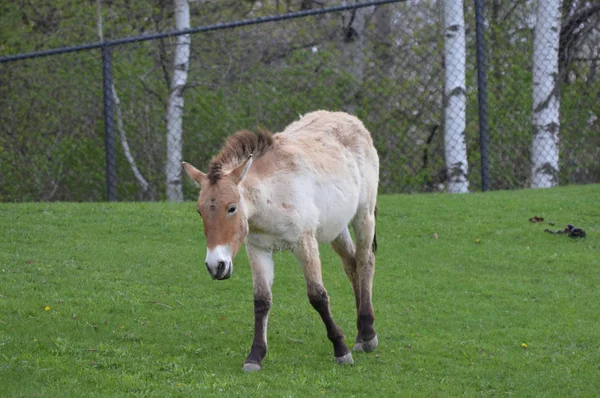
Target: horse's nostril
206 263
221 267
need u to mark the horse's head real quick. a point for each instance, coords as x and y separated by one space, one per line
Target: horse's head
224 216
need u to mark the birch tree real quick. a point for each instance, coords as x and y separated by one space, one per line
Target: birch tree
544 147
455 97
175 106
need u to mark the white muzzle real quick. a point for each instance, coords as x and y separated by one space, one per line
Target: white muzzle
218 262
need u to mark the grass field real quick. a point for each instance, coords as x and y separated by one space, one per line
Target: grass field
471 299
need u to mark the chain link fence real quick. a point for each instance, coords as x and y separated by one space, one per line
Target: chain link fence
518 99
68 134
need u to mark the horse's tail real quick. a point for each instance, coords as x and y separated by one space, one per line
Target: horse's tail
374 244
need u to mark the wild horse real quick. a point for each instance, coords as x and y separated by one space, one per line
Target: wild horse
291 191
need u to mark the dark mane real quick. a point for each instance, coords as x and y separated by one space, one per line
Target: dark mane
238 148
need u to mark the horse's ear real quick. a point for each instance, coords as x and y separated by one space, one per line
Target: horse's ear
195 174
239 173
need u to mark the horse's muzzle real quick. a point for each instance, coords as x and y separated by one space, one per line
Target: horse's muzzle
222 270
219 262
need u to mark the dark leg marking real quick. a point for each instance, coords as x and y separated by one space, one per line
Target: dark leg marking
344 247
259 345
364 227
308 255
366 317
320 301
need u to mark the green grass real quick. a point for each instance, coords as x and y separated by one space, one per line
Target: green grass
133 312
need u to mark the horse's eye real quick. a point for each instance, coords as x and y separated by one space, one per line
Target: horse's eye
232 209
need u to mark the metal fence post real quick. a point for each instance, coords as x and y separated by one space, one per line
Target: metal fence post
109 134
484 139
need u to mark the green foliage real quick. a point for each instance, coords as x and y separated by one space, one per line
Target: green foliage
50 129
52 117
580 131
462 282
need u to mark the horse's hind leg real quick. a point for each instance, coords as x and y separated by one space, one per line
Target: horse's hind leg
364 229
344 247
307 253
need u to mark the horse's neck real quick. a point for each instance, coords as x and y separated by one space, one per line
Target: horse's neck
248 194
253 194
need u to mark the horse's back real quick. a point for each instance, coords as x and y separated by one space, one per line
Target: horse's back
336 138
347 129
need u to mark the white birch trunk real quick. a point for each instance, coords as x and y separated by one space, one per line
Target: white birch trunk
544 146
175 107
455 97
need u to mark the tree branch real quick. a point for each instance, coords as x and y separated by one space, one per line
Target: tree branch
573 29
136 172
117 105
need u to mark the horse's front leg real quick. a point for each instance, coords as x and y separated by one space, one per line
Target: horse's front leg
307 253
261 262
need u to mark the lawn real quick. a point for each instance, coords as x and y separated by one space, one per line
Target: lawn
471 299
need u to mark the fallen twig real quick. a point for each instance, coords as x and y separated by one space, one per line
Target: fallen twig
570 230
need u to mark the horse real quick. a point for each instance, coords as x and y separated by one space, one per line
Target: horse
292 191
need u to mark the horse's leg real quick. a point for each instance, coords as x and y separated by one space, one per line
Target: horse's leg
364 229
307 253
344 247
261 262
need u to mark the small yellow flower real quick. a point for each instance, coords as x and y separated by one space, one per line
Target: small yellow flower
178 384
35 340
477 240
122 327
524 346
47 308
